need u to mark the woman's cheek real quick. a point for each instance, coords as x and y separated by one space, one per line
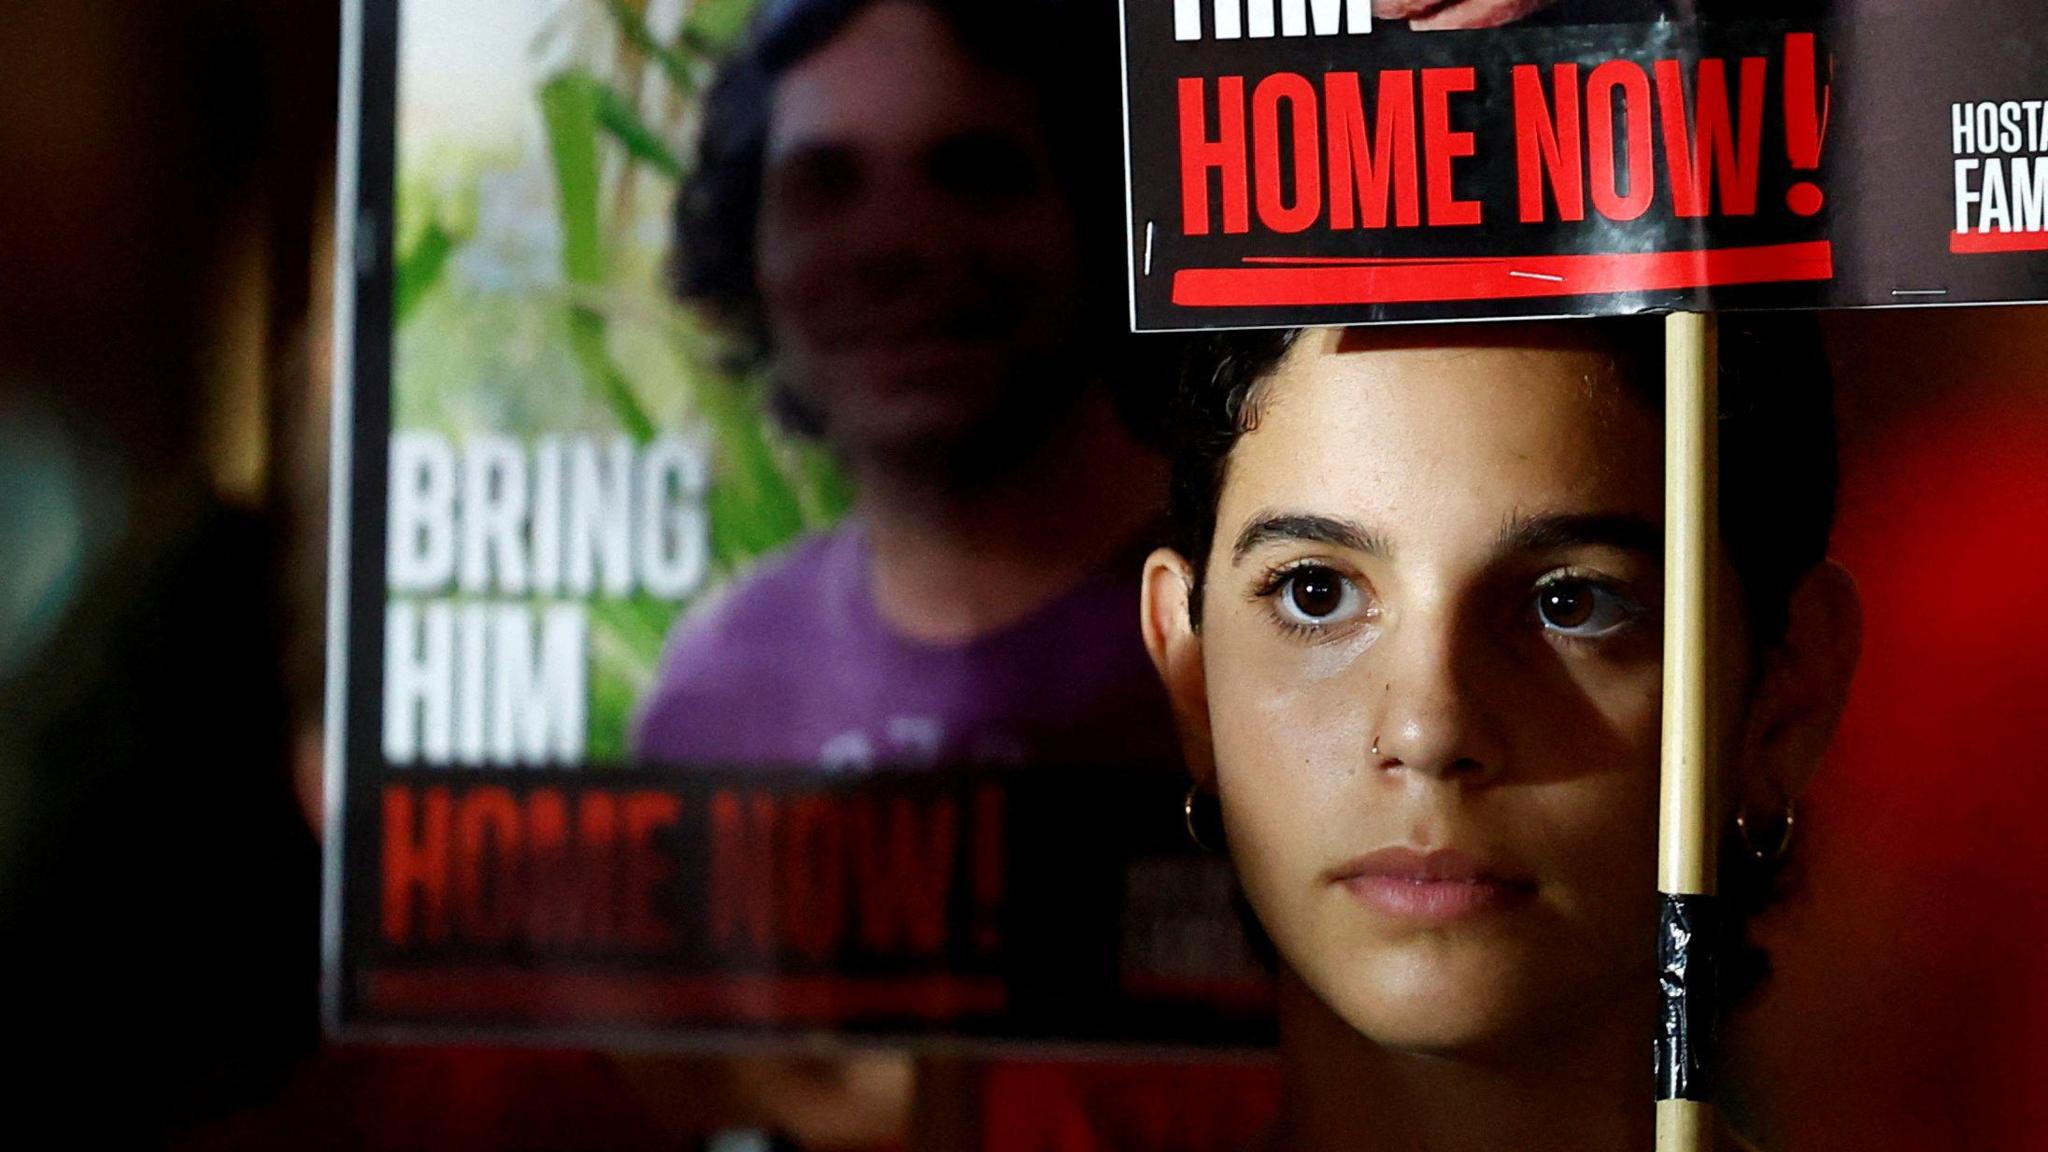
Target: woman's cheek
1286 746
1287 718
1630 701
1593 836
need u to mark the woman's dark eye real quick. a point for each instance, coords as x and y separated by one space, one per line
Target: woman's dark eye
1566 606
1582 608
1317 597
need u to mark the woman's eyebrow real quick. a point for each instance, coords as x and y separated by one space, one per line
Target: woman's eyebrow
1551 532
1332 530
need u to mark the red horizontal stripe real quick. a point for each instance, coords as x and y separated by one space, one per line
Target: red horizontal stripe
514 995
1978 243
1499 278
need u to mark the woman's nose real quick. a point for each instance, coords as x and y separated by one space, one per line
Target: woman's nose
1429 714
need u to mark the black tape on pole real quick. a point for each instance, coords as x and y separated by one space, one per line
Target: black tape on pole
1689 986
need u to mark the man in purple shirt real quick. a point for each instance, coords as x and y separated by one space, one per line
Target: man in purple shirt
887 216
799 665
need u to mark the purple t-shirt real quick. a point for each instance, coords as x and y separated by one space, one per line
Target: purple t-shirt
794 666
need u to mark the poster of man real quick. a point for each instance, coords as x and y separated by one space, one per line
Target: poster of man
749 452
898 213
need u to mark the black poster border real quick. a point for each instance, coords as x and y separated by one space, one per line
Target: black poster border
362 419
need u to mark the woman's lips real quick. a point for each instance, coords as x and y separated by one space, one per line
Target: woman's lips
1433 887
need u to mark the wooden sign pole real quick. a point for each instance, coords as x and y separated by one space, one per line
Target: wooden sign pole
1686 842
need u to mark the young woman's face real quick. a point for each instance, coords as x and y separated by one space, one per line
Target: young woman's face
1430 645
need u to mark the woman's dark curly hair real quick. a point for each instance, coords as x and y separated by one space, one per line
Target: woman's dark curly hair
1777 497
1064 51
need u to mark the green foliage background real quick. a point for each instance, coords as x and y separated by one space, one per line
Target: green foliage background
592 344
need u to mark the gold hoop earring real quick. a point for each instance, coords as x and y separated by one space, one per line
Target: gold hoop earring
1774 852
1188 812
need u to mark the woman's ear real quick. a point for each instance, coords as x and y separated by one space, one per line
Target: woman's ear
1804 688
1166 615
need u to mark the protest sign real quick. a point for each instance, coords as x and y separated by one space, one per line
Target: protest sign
1299 163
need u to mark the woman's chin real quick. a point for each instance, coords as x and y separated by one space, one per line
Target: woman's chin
1445 1007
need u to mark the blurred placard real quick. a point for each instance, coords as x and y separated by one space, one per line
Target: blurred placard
576 786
